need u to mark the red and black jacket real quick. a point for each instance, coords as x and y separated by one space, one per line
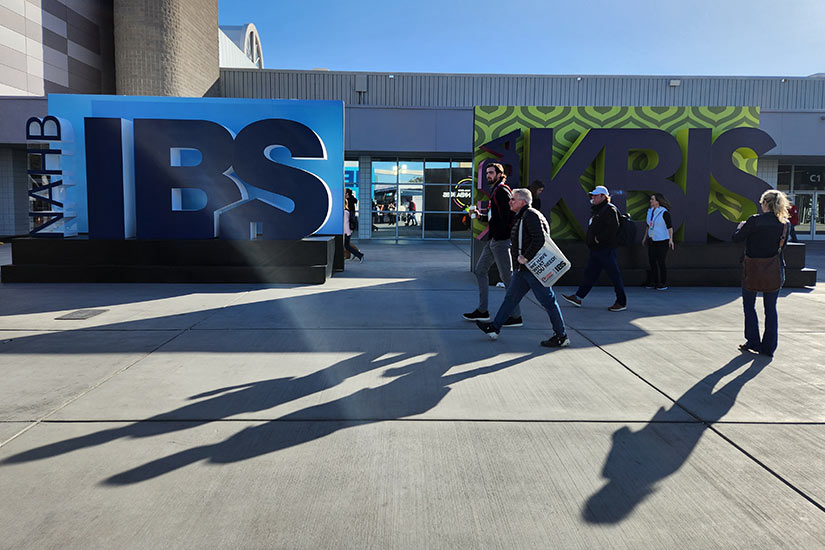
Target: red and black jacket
501 217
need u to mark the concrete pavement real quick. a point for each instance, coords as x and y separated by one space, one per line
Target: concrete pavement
365 413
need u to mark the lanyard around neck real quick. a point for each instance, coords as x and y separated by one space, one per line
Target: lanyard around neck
652 215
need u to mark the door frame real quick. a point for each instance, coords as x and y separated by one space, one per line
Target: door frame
816 196
818 200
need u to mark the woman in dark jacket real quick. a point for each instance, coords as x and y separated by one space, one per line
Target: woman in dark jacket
765 236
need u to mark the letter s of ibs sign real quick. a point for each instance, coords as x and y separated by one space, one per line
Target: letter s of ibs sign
200 168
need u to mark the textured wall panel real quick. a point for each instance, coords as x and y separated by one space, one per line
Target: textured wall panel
166 47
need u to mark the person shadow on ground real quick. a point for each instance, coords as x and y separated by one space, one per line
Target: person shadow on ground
638 461
218 404
415 389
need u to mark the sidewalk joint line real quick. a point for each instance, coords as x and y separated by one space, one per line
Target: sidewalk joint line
371 419
382 419
214 312
767 468
90 388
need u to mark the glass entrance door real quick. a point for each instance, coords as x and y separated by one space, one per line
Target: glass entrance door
819 215
811 205
805 204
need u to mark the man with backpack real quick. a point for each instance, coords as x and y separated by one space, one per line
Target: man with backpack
602 240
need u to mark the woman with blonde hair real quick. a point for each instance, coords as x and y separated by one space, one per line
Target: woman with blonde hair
765 236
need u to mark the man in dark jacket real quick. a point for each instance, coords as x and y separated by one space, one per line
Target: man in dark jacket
534 230
602 241
497 247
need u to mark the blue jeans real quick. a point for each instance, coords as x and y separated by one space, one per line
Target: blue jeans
767 344
520 283
351 249
603 259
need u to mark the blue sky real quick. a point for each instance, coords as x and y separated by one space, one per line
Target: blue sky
634 37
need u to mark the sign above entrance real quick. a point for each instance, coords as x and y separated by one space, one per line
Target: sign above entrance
200 168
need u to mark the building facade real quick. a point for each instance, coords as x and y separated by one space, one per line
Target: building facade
56 47
408 137
404 130
126 47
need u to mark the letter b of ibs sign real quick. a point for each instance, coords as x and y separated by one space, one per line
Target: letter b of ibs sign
200 168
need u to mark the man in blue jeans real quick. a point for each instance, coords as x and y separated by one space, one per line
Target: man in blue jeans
532 227
602 235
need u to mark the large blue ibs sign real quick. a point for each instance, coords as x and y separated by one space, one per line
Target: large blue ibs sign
200 168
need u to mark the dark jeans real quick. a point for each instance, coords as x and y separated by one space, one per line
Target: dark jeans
352 250
656 254
603 259
767 344
794 238
520 283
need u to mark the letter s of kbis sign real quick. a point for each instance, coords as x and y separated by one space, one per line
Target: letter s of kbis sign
200 168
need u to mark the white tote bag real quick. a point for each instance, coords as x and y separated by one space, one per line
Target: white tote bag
549 264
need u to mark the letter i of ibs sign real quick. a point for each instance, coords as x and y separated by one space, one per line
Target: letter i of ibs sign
201 168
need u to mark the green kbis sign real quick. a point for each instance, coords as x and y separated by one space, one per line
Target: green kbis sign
703 159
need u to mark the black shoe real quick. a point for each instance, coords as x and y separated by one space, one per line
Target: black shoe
573 299
477 315
661 287
556 341
361 259
617 307
513 322
488 329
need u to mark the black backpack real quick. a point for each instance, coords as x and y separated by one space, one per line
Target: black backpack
626 236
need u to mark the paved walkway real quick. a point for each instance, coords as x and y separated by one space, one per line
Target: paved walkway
365 413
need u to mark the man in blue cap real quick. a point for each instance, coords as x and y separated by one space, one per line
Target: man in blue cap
602 233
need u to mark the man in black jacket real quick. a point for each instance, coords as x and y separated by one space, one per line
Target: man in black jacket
534 230
497 247
602 242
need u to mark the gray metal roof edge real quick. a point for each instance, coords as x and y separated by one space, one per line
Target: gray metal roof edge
535 75
453 108
410 107
793 111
